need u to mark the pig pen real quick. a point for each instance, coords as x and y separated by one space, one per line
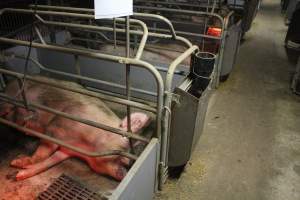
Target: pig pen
192 110
213 26
150 169
135 186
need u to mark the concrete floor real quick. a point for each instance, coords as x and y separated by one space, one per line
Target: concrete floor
250 148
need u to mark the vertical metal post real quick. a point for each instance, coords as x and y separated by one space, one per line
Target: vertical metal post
52 32
22 88
115 33
77 68
128 68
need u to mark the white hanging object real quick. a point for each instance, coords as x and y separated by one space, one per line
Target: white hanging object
113 8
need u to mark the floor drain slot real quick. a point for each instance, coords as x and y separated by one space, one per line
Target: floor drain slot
66 188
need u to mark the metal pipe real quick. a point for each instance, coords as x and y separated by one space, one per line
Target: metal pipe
101 96
33 106
139 63
62 8
128 84
39 35
222 48
84 16
168 105
184 40
180 11
147 15
68 146
77 67
188 34
176 4
90 27
18 75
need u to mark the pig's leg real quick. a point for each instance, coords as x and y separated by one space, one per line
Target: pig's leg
38 168
42 153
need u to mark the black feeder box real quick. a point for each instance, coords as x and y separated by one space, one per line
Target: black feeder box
188 115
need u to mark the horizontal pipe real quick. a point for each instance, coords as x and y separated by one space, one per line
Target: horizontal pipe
139 63
177 4
33 106
145 15
188 34
97 95
97 125
181 11
68 146
90 11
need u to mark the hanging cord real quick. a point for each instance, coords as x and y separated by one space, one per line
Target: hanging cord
25 72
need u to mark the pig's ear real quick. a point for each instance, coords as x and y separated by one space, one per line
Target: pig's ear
138 122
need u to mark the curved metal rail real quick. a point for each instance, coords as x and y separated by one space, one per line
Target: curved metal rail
135 14
224 22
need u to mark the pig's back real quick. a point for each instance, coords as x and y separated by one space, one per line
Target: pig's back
90 108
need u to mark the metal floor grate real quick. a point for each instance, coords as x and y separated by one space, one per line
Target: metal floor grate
66 188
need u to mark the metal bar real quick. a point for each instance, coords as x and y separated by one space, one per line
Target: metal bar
39 35
143 25
149 67
180 11
168 105
84 16
117 59
91 94
222 48
22 92
188 34
176 4
77 119
97 95
68 146
158 17
62 8
115 33
77 67
184 40
128 68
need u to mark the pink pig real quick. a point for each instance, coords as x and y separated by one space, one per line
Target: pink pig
80 135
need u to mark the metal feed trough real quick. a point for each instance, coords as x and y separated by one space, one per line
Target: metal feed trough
166 87
209 24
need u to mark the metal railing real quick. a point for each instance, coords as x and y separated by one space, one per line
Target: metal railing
161 109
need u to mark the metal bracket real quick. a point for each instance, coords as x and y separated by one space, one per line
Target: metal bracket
175 97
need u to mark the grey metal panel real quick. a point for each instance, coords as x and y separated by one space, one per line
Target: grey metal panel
231 48
139 184
104 70
182 128
17 64
200 121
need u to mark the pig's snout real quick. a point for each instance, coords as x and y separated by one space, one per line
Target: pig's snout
138 122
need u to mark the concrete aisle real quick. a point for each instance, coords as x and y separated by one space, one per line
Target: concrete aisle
250 148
